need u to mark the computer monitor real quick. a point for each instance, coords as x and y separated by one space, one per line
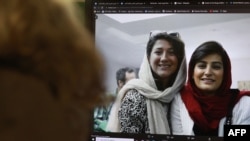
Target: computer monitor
121 29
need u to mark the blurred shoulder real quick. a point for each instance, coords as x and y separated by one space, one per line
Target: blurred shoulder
25 102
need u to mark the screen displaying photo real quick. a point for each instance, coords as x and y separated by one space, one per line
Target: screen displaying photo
122 39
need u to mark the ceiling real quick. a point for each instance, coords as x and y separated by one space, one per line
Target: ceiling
122 38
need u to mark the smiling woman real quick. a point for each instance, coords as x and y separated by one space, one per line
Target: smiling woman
142 104
205 104
208 74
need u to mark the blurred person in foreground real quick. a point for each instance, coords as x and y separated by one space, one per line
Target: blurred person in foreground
51 74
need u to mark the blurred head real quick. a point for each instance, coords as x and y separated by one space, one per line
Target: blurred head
123 75
57 71
210 69
165 53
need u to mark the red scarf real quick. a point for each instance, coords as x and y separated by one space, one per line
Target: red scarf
207 111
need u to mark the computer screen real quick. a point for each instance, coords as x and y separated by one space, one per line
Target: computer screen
122 28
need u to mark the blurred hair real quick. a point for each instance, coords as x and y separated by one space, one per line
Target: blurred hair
46 39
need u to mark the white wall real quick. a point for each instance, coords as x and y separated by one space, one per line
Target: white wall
240 71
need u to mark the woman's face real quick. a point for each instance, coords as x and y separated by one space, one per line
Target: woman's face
162 59
208 73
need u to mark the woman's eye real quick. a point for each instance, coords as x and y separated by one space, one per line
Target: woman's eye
217 67
202 66
171 52
157 52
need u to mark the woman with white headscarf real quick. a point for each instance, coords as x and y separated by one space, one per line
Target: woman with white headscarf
142 104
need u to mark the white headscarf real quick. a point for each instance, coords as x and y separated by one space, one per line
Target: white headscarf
145 85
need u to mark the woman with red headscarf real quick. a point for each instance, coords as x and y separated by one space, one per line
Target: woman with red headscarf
207 102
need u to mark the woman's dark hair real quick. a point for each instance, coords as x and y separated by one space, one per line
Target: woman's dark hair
178 47
207 48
